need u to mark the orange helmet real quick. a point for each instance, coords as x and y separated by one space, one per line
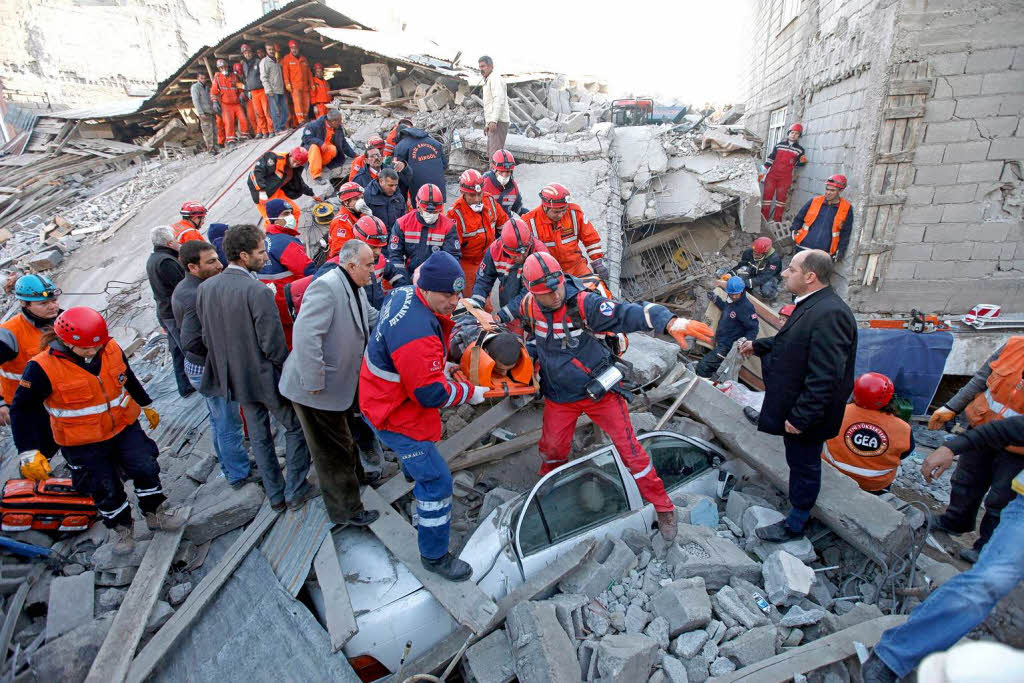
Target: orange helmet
471 180
542 273
371 230
554 196
873 391
81 326
350 190
762 245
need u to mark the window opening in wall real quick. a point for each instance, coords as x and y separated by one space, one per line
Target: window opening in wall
270 5
789 11
776 129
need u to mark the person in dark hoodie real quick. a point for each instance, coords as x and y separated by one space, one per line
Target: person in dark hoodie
384 198
216 236
425 158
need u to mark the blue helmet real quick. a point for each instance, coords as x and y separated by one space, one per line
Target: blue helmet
735 285
35 288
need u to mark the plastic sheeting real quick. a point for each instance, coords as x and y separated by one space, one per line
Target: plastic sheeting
913 361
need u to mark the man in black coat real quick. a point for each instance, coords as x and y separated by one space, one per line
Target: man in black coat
164 274
808 374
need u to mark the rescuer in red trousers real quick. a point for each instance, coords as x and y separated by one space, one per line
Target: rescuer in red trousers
786 156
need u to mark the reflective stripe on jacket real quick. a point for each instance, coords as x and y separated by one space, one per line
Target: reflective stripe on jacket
1004 393
563 240
837 223
868 447
27 336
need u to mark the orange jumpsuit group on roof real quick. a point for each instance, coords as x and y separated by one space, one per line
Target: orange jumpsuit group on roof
298 81
227 89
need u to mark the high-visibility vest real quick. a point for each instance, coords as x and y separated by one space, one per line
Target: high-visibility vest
185 231
868 447
1004 392
837 222
86 408
28 337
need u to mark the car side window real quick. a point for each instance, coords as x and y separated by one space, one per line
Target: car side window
677 461
572 501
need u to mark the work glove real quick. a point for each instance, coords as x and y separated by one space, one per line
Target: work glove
601 269
152 417
34 465
363 208
681 328
940 417
478 396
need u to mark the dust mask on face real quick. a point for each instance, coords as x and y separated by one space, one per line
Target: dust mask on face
429 218
477 207
289 221
503 178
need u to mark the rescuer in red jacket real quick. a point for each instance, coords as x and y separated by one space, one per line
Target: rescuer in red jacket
477 220
786 156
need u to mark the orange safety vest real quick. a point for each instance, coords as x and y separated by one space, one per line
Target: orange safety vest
1004 393
320 92
837 223
184 231
868 447
226 88
28 337
341 230
85 408
478 231
563 240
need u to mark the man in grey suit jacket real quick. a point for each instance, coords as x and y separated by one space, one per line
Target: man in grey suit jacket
322 373
245 350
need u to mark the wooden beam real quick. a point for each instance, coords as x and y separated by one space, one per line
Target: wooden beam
115 656
464 600
203 594
341 621
903 112
918 86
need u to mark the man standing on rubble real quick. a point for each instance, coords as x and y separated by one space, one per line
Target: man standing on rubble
994 393
259 108
738 320
165 272
561 226
228 91
319 94
272 78
808 375
203 105
298 81
403 386
574 330
477 220
825 222
786 156
496 118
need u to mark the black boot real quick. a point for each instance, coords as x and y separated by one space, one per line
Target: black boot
752 415
449 567
874 670
362 518
778 533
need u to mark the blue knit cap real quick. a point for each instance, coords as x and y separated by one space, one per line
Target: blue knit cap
441 273
275 207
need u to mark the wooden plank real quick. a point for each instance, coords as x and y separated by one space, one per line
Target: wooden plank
911 112
885 199
814 655
895 157
464 600
115 655
143 665
341 621
917 86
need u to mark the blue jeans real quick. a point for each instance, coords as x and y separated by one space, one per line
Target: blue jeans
227 430
278 111
433 490
963 602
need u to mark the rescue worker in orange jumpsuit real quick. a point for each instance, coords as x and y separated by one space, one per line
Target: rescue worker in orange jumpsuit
277 175
872 441
561 226
994 393
83 381
375 142
392 138
786 156
192 216
826 221
298 81
21 338
324 139
259 106
318 94
246 104
342 228
228 91
477 221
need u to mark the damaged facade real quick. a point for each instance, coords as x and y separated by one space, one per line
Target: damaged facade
919 104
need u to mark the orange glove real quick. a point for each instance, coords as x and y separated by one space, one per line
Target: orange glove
681 328
34 466
940 417
152 417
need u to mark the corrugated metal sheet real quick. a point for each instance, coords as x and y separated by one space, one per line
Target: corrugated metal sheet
106 110
293 541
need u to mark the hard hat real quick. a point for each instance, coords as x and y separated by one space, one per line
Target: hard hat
787 310
471 180
238 68
554 196
375 142
981 314
735 285
429 198
873 391
502 160
323 213
350 190
246 46
221 63
838 182
293 43
798 127
193 209
542 273
515 236
81 326
372 230
35 288
318 65
762 245
299 155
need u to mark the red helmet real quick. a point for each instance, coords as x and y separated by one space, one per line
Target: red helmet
503 161
873 391
238 68
371 230
350 190
193 210
375 142
542 273
429 198
81 326
554 196
293 43
762 245
837 182
798 127
471 181
318 65
299 155
516 237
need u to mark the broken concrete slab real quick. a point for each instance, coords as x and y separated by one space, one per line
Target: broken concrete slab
684 603
69 657
674 197
636 618
650 357
798 616
755 645
569 612
71 603
786 579
493 498
637 149
626 657
611 560
122 576
162 611
489 660
728 603
543 652
105 559
699 552
585 146
658 630
800 548
757 517
870 525
689 644
199 471
218 509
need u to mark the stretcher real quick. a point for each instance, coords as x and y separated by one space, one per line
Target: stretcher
477 367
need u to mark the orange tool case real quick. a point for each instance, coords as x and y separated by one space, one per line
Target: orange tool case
48 505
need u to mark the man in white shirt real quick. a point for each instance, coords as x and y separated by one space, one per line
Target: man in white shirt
496 117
